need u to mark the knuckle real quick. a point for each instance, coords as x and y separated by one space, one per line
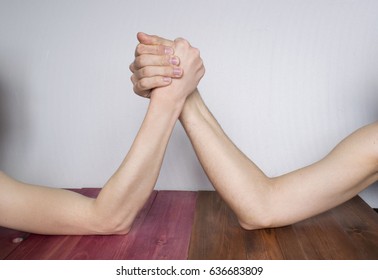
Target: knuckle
165 60
140 48
202 69
140 61
132 79
137 62
180 42
143 72
196 51
131 67
185 42
142 84
135 89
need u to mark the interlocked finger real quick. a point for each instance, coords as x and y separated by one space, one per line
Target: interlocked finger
164 71
153 49
154 60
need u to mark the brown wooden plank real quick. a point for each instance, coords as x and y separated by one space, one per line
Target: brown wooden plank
165 233
263 245
216 233
321 237
345 232
288 241
361 226
81 247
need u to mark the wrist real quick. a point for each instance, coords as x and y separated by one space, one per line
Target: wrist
164 104
193 107
168 98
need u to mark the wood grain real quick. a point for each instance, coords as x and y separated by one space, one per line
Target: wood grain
349 231
172 219
160 231
9 240
165 234
216 233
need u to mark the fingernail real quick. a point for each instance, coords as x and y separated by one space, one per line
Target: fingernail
167 80
177 71
174 60
168 50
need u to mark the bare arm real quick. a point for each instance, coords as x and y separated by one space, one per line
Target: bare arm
55 211
260 201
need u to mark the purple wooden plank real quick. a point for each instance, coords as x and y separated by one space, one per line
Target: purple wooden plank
166 231
176 215
110 247
90 192
9 240
81 247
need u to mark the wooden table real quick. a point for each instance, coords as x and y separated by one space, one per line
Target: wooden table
199 225
160 231
349 231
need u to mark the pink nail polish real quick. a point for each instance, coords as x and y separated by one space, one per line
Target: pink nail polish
168 50
167 79
177 72
174 61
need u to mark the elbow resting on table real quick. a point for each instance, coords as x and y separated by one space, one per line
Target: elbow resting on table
112 226
109 223
257 223
267 220
261 210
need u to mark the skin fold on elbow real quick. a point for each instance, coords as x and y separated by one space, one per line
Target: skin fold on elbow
256 223
102 222
111 226
260 212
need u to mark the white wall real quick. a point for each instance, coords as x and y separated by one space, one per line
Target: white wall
286 79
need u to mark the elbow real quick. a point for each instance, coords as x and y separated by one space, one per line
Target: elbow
269 217
263 214
115 228
110 221
111 225
259 211
118 229
257 222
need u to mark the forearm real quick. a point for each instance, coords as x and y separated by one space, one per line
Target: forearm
259 201
228 169
42 210
55 211
129 188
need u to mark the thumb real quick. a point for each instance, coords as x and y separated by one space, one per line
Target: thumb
146 39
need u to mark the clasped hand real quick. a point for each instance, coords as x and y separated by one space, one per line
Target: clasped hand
167 68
